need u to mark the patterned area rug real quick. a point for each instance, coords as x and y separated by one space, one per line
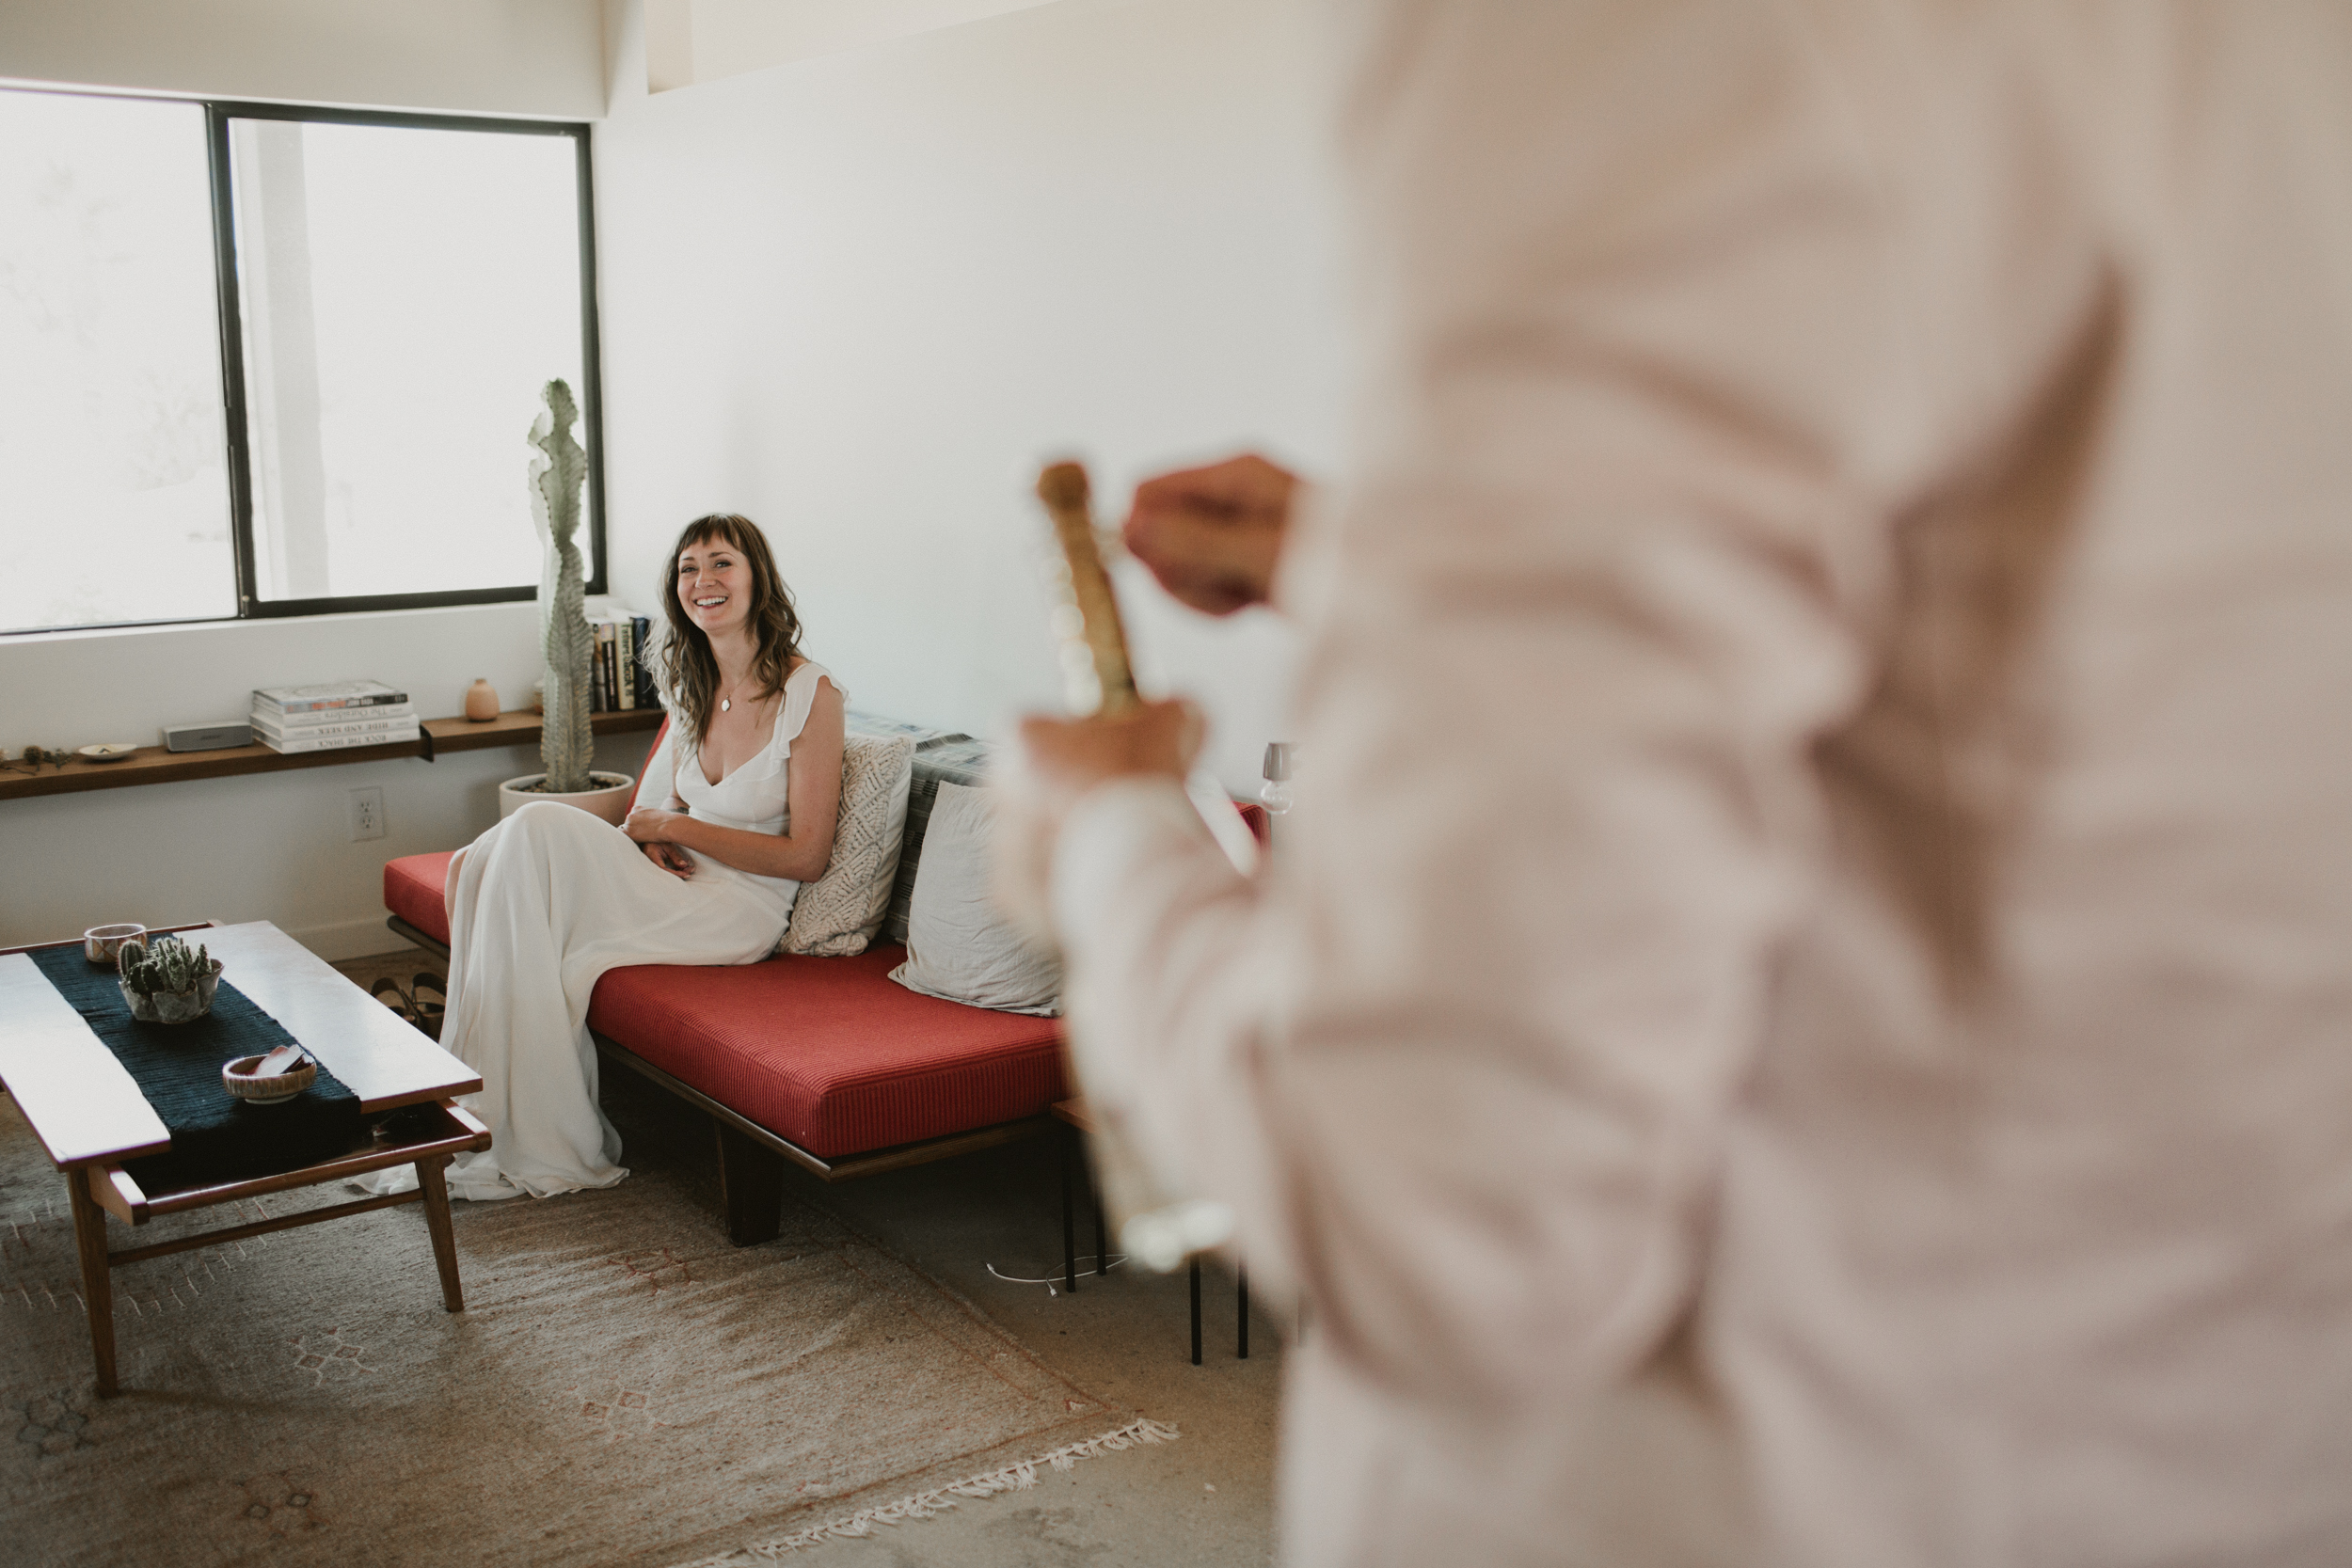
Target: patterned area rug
623 1386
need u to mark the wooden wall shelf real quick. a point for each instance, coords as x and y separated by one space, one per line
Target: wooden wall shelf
153 764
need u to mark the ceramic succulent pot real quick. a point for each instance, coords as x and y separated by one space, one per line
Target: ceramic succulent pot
609 799
175 1007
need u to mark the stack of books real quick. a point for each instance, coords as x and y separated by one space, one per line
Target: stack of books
327 718
618 678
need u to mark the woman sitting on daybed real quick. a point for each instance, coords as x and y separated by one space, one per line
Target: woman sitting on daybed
544 903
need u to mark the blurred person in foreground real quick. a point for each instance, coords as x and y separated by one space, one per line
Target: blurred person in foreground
1805 1015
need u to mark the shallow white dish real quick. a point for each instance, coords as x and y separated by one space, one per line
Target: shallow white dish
109 750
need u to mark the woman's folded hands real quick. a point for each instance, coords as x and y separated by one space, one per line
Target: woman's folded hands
650 827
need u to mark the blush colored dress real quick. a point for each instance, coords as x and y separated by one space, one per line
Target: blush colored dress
550 898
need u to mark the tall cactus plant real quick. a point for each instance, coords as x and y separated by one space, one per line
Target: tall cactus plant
566 746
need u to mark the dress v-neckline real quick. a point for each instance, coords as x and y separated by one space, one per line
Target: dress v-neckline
783 700
703 767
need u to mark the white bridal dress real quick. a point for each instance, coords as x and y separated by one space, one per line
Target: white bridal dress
547 901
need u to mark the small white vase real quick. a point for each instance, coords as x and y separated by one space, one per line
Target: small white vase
609 799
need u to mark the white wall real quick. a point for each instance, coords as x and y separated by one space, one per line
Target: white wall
859 298
534 57
701 41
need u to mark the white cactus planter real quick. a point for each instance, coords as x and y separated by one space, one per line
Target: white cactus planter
609 800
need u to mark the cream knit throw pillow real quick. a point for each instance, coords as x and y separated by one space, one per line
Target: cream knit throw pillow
837 914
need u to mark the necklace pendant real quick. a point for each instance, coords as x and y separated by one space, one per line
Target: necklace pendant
727 705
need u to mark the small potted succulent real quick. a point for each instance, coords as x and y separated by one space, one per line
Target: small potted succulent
167 981
566 742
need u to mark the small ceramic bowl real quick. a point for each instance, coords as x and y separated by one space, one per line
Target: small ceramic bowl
102 944
109 750
274 1090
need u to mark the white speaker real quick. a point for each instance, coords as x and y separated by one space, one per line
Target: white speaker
206 737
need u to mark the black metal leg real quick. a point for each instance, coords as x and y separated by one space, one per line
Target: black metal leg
1069 1210
1241 1276
1195 1312
1102 1226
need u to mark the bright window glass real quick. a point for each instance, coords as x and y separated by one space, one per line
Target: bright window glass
404 294
114 487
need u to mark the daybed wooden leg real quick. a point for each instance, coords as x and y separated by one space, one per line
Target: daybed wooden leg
98 1290
433 1176
751 1185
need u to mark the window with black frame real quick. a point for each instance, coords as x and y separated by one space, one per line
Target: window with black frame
265 360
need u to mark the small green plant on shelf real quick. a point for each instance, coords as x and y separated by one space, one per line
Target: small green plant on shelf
33 756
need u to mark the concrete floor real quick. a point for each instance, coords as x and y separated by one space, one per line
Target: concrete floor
1204 1501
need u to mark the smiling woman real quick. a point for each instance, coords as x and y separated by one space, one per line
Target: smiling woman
724 569
541 905
739 690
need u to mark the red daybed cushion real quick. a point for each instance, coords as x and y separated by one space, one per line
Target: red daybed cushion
825 1052
828 1053
412 890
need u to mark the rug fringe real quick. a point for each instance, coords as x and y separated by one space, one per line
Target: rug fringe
1017 1477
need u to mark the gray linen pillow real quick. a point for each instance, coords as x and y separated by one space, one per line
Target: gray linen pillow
938 759
837 914
959 947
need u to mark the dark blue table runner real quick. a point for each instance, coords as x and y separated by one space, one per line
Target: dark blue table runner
214 1136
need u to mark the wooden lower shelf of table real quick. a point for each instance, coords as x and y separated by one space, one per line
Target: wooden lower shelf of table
155 764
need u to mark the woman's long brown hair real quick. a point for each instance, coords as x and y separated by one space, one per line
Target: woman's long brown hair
689 672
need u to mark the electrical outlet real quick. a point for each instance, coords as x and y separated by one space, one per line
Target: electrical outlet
366 812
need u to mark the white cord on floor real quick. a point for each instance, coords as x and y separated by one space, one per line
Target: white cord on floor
1116 1259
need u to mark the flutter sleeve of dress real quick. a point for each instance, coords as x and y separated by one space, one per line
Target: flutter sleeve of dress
800 697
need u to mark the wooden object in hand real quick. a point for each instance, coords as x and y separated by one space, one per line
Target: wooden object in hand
1064 490
1124 1183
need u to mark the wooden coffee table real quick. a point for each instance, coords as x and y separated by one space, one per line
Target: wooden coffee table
90 1115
